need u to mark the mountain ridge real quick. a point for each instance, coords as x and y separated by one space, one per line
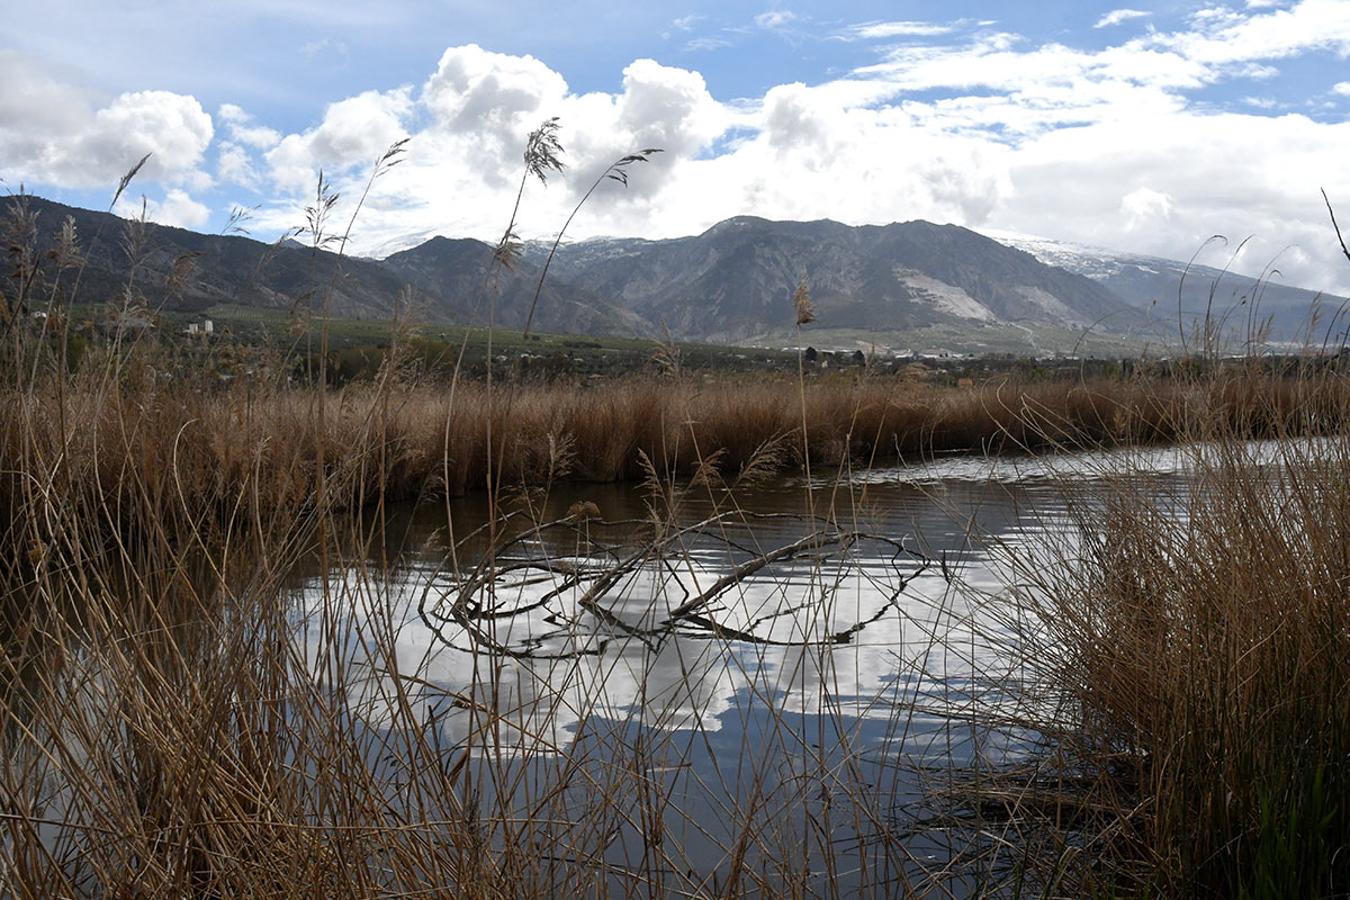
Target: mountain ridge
738 276
731 282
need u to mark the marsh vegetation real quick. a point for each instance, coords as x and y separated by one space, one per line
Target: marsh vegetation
856 635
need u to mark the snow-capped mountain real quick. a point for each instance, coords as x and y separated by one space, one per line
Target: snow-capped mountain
1175 295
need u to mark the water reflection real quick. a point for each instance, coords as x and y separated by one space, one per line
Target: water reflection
902 614
573 670
900 602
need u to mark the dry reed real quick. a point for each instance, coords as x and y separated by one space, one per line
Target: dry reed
188 448
180 718
1187 650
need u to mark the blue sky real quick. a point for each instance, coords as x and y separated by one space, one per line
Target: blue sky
1145 127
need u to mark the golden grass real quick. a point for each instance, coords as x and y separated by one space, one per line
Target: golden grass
1198 642
164 731
174 456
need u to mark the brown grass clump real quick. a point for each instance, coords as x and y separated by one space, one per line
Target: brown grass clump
1199 642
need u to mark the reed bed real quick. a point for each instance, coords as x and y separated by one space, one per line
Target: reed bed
160 454
171 725
206 687
180 720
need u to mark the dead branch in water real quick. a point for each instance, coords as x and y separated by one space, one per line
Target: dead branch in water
471 600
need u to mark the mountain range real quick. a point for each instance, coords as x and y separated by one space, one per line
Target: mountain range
1174 294
732 283
735 280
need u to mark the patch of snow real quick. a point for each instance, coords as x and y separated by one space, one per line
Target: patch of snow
1097 263
396 245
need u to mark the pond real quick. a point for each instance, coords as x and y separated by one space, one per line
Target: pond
710 688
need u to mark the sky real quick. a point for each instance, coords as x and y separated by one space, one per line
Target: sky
1145 128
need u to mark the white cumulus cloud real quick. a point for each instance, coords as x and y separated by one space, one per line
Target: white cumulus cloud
353 131
473 88
236 161
242 129
177 209
56 133
1145 207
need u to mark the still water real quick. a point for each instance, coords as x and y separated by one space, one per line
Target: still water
806 660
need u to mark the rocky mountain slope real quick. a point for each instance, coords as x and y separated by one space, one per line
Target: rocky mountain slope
185 270
459 271
736 279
